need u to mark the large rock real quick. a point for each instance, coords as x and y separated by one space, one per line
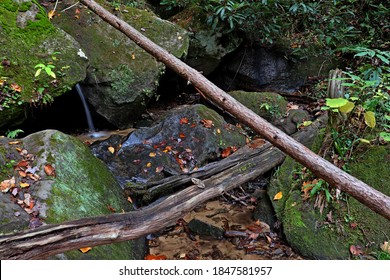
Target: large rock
121 77
207 45
344 222
255 68
186 139
28 38
80 186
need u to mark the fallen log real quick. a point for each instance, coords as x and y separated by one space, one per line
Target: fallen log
375 200
218 178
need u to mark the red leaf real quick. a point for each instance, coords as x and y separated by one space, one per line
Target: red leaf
183 121
155 257
49 170
207 123
182 135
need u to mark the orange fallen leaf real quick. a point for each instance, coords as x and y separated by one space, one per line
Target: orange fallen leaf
182 135
16 87
51 14
111 209
152 154
111 149
85 249
278 196
207 123
226 152
149 164
183 121
155 257
49 170
256 143
22 173
7 184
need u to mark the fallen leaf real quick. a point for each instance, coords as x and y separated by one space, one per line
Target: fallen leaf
49 170
159 169
111 149
7 184
51 14
22 163
111 209
278 196
14 142
356 250
152 154
16 87
24 185
227 152
256 143
22 173
132 56
149 164
385 247
218 131
182 135
183 121
155 257
129 199
85 249
207 123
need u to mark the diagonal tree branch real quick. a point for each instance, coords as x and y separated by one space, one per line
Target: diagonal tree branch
367 195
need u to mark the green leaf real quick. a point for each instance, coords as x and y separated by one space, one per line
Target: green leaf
307 123
369 119
385 136
38 72
364 141
336 102
387 117
347 107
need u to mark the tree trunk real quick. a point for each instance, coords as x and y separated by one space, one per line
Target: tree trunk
367 195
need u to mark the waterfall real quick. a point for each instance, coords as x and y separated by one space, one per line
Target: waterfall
91 127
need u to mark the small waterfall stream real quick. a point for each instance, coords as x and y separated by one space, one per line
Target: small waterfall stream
91 127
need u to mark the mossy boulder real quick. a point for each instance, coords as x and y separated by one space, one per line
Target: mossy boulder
344 222
80 186
28 38
207 45
268 105
121 77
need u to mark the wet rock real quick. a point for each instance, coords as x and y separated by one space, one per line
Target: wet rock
204 229
186 139
289 124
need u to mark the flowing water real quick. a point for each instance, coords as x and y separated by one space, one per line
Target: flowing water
91 127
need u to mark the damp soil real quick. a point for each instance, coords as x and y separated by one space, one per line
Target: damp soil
247 239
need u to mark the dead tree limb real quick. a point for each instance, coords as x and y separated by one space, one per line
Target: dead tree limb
367 195
53 239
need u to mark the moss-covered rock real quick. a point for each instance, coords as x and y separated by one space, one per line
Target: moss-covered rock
207 45
82 187
28 38
268 105
344 222
122 77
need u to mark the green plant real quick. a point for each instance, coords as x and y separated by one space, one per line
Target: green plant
48 69
13 133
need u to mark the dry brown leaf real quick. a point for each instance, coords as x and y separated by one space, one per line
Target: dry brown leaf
385 246
49 170
207 123
256 143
